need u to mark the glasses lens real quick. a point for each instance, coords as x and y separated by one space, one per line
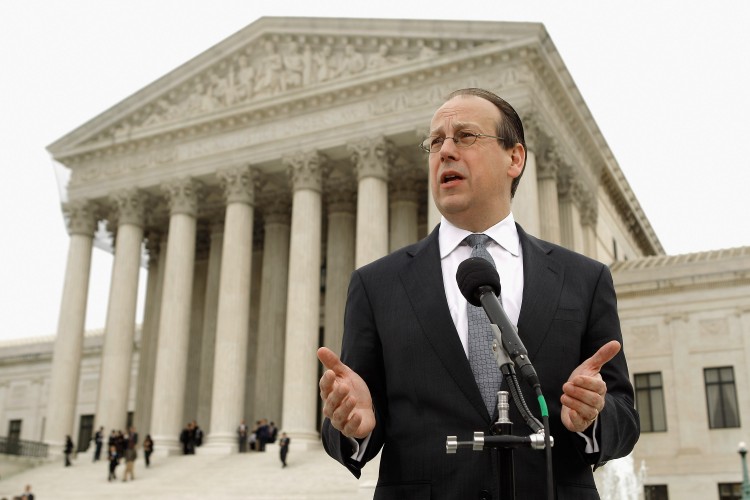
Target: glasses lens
432 144
465 139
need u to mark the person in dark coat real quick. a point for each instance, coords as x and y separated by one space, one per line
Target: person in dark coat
68 450
283 448
406 379
98 441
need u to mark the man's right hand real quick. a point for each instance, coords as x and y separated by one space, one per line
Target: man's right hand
346 397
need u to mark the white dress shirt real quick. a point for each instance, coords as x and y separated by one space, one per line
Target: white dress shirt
505 249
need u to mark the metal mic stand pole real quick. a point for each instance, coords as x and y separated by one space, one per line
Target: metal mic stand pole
504 427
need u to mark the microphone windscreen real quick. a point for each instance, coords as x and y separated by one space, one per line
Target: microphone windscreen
473 273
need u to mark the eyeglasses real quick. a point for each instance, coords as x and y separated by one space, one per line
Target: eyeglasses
462 140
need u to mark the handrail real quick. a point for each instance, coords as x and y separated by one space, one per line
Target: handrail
23 448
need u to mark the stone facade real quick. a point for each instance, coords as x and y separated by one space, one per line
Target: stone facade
260 174
681 315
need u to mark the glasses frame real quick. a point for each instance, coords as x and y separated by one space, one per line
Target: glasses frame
456 140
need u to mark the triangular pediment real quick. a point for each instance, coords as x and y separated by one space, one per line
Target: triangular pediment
274 59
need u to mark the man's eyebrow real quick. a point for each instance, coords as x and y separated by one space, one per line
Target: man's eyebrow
456 126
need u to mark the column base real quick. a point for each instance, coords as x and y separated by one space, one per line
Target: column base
166 447
304 440
220 444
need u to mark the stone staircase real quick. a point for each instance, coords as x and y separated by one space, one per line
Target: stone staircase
311 474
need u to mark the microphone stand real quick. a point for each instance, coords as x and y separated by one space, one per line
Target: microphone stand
502 436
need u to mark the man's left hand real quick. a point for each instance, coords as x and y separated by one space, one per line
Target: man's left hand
584 393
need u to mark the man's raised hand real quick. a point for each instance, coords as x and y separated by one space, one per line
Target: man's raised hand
346 397
584 393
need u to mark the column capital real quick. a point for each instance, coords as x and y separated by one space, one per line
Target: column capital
341 192
535 135
183 195
277 210
589 208
372 156
239 184
408 181
306 169
549 163
566 182
81 216
131 205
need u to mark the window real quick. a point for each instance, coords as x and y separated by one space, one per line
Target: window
85 431
649 400
14 435
14 430
721 398
730 491
655 492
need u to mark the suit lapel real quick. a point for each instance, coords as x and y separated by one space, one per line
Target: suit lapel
543 280
423 280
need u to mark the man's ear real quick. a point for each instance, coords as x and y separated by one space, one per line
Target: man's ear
518 160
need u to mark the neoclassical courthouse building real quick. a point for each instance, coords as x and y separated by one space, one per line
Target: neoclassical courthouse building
255 177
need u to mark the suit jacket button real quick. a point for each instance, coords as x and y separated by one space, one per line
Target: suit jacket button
485 495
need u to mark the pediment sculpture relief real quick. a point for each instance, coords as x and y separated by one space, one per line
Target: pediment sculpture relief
276 65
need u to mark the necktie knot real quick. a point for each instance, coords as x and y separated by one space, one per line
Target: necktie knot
478 244
477 240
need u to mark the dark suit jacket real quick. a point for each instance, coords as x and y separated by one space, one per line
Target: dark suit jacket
400 338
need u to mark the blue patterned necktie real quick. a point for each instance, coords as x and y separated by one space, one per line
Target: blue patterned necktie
481 337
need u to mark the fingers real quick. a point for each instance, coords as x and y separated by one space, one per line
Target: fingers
575 422
602 356
331 361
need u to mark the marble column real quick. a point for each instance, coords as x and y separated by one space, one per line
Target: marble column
149 330
566 193
404 209
195 342
269 385
116 361
299 417
230 357
66 357
589 216
339 258
549 214
372 158
252 376
526 200
174 322
210 316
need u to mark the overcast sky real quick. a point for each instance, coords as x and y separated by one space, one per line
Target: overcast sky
668 83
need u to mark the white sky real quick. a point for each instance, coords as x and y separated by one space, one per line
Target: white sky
668 83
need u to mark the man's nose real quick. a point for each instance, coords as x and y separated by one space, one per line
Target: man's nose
449 149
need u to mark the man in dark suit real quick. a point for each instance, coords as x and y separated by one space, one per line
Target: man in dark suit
404 380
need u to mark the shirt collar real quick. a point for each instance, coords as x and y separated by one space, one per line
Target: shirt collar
504 233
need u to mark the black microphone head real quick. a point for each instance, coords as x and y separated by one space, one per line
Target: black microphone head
473 273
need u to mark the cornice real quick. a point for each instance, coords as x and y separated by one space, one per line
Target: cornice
630 212
681 273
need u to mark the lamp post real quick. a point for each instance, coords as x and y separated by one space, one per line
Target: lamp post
742 450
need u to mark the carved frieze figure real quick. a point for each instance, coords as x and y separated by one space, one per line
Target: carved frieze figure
353 62
244 79
268 79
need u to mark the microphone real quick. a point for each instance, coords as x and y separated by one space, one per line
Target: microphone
480 285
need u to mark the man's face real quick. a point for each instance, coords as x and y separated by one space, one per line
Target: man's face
471 185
